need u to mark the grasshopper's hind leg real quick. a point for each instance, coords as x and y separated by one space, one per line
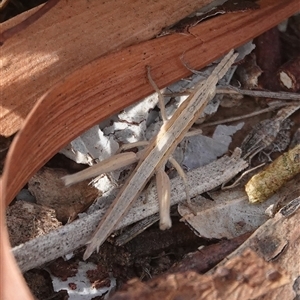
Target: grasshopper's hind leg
111 164
163 186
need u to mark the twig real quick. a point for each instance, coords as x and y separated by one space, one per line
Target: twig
236 182
255 113
266 94
237 91
76 234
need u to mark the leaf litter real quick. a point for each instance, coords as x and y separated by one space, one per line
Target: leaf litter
230 209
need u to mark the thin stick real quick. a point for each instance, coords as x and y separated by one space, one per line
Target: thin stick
227 187
266 94
236 91
255 113
71 236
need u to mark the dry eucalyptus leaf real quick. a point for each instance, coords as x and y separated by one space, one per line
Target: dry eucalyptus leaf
230 214
26 221
49 190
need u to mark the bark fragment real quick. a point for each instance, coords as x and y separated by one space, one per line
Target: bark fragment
289 75
243 277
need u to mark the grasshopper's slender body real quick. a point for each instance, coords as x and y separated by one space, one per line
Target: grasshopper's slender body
154 157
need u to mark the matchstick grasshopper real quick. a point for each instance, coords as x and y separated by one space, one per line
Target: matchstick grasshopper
153 158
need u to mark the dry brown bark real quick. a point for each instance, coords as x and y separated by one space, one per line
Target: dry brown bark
278 241
246 276
70 35
204 259
289 74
